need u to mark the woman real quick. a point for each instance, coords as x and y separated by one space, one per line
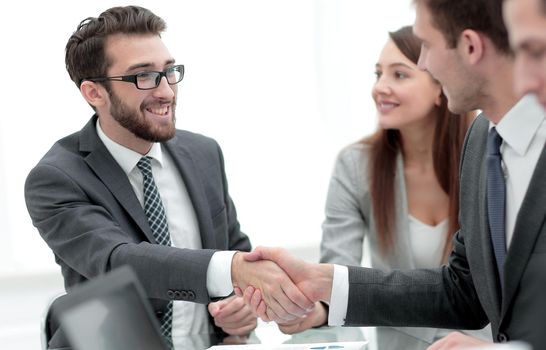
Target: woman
398 187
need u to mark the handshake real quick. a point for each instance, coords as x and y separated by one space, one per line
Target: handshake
282 288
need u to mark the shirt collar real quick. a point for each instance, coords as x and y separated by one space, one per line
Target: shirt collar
519 126
127 158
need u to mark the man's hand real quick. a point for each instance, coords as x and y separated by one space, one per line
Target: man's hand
233 316
314 280
253 298
316 318
457 340
283 298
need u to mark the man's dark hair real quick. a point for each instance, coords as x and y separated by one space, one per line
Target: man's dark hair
451 17
85 50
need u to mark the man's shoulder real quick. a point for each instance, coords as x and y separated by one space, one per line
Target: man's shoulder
193 141
197 146
476 135
70 146
64 148
190 137
479 125
474 151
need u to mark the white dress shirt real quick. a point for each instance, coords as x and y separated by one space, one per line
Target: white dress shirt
524 133
188 317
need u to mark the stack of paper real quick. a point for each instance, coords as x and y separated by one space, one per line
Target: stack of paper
358 345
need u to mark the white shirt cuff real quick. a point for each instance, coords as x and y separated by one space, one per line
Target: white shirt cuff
219 274
340 296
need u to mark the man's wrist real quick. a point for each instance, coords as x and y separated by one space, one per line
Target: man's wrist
235 268
322 319
325 279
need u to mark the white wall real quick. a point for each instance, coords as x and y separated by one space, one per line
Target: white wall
281 84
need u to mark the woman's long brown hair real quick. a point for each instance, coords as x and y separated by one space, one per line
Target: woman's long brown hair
446 150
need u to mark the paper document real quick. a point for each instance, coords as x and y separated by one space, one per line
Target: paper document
355 345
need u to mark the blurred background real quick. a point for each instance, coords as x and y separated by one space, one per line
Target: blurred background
282 85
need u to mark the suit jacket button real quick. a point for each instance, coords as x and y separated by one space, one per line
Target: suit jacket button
177 295
502 337
170 294
159 314
184 295
191 295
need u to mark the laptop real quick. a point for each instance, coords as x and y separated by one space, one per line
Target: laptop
110 312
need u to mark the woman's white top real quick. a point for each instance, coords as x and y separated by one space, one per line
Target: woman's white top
427 242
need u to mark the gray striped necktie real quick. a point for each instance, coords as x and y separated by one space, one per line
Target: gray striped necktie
157 219
496 199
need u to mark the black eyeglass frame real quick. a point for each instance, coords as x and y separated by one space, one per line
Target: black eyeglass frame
133 78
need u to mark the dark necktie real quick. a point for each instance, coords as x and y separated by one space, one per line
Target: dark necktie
153 207
496 199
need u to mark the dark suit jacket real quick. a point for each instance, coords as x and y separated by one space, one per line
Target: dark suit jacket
467 293
85 209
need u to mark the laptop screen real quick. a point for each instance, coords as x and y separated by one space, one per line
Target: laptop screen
111 313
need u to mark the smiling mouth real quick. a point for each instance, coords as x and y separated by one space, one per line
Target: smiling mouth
163 110
386 106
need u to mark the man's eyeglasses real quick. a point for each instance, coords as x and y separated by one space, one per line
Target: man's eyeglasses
148 80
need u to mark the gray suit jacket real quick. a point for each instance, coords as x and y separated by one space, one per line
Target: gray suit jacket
467 292
84 207
349 219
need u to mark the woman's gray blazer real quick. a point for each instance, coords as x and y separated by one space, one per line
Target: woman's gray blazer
349 219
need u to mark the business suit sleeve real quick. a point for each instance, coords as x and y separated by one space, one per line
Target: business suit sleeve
223 232
84 207
444 297
84 235
345 224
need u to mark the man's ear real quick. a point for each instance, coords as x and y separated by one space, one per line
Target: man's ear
438 100
95 94
471 46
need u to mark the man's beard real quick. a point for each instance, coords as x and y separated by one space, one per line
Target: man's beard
135 121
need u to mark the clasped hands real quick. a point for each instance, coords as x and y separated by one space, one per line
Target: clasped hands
282 288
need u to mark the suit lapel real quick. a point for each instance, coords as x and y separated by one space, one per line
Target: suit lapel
489 262
112 176
528 225
194 185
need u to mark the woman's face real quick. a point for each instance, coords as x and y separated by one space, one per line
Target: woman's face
403 94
